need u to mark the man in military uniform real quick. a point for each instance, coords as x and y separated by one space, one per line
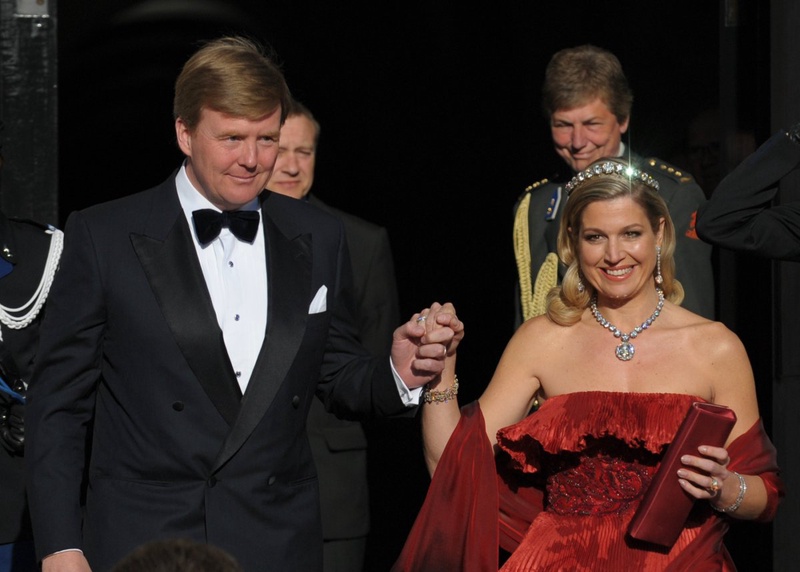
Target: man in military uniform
29 255
587 100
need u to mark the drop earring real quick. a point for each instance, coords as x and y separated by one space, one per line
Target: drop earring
581 287
659 278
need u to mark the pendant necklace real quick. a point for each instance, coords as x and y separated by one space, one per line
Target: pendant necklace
625 349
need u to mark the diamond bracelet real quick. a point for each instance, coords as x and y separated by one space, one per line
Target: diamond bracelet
738 502
431 396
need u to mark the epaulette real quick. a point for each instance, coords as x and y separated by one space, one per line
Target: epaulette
535 185
552 205
531 187
659 167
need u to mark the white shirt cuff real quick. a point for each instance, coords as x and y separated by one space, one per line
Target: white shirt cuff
410 397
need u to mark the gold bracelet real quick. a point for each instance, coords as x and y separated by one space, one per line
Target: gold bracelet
431 396
738 502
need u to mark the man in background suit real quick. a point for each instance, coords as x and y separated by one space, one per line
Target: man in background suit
739 214
587 102
188 330
339 445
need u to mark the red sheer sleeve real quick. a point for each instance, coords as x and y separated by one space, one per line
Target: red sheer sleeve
456 529
752 453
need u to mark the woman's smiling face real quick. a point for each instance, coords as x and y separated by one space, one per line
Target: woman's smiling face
617 247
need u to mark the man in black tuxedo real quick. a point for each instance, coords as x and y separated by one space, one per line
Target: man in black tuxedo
187 332
340 445
739 214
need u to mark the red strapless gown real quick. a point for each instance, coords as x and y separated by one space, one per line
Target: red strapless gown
563 490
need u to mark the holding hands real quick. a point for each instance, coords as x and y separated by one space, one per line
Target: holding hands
421 345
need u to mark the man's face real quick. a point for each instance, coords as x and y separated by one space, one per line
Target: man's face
230 158
294 169
584 134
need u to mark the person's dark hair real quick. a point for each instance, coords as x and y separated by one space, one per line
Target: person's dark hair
577 76
298 109
232 75
177 555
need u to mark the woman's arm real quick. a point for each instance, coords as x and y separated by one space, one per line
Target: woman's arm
738 494
507 399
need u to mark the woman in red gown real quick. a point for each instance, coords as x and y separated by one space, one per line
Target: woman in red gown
610 370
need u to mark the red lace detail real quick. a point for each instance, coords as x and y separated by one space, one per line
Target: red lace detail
597 486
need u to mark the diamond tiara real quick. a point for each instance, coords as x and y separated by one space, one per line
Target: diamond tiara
610 168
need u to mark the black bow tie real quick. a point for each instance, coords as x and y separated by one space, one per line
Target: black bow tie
208 223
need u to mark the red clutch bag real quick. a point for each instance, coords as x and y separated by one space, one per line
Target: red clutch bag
665 506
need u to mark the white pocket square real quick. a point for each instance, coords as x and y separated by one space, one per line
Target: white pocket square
320 301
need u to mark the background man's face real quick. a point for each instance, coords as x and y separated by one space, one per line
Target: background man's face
584 134
294 168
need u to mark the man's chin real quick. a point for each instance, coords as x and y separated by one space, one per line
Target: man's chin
580 164
575 163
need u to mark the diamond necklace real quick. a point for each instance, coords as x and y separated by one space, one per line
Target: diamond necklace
625 349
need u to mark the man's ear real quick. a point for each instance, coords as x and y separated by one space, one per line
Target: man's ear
184 137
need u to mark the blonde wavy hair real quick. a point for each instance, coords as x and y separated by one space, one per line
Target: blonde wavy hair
565 303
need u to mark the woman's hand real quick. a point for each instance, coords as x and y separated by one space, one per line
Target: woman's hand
422 347
440 316
707 477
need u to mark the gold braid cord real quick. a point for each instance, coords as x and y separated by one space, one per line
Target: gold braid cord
522 252
532 297
545 281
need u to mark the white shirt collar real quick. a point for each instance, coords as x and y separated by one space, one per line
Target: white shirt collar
191 199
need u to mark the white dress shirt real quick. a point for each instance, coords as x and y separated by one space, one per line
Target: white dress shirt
237 281
236 275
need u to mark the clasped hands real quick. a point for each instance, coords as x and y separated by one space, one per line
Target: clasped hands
421 345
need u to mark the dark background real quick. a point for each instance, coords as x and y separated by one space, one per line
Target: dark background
431 126
430 116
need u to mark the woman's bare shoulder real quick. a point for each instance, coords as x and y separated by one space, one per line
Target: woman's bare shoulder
539 338
538 326
712 338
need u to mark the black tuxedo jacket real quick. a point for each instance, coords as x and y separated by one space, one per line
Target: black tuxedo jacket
739 216
340 445
135 392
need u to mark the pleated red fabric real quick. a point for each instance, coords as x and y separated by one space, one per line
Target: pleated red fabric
563 490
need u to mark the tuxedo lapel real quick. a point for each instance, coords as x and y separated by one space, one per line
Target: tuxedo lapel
176 278
289 282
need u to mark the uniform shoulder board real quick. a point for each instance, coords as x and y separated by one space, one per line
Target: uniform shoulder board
657 167
536 185
530 188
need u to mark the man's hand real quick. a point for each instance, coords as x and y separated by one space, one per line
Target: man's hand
420 346
67 561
